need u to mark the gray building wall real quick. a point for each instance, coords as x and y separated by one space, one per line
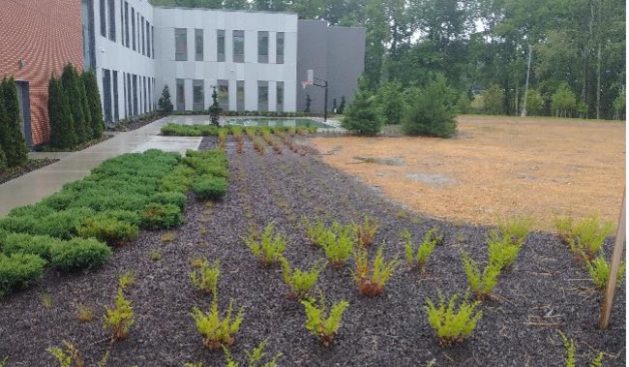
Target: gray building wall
336 54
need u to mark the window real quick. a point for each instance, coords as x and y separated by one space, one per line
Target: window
240 95
239 46
263 96
181 97
148 39
126 23
223 94
129 96
153 41
280 96
112 20
115 88
107 94
263 47
103 19
122 23
135 95
220 45
198 44
198 103
133 27
87 21
181 44
279 48
141 26
124 94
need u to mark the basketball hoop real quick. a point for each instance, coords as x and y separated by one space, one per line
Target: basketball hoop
305 83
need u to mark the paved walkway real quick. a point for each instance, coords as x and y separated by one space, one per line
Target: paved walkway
36 185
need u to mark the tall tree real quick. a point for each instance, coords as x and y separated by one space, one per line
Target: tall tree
73 89
62 133
11 138
93 103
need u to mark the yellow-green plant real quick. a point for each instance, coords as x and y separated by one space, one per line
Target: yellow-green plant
69 356
205 277
563 225
119 319
366 231
452 324
418 257
502 251
571 349
338 244
481 283
588 236
269 248
599 270
254 357
515 229
217 331
371 279
320 322
316 231
126 280
299 281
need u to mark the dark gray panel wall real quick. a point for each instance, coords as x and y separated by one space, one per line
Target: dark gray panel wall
336 54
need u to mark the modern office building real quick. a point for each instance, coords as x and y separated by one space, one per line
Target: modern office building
255 60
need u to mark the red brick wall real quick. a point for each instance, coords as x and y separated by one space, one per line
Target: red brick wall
47 34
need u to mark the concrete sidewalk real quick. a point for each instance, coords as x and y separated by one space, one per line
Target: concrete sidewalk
36 185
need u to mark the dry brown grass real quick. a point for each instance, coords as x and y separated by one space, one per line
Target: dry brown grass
496 166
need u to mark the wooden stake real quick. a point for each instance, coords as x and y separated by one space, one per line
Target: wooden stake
608 300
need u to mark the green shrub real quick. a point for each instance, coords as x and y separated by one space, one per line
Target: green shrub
534 103
170 197
119 318
62 133
452 324
420 256
158 216
430 111
110 230
209 187
316 231
321 323
172 129
371 279
481 283
599 270
564 225
492 99
75 92
18 271
22 243
254 358
391 102
79 254
93 103
563 101
205 278
127 216
11 137
338 244
502 252
299 281
36 210
366 231
515 229
164 103
571 350
217 331
269 248
70 356
179 180
362 116
588 236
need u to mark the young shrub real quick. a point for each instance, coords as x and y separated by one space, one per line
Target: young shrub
515 229
159 216
270 247
564 225
170 197
217 332
110 230
254 357
210 187
362 116
316 231
11 137
84 313
571 350
69 356
322 324
338 244
588 237
18 271
126 280
205 277
451 324
299 281
119 319
430 111
599 270
164 104
372 279
503 250
483 283
420 256
79 254
366 231
23 243
155 255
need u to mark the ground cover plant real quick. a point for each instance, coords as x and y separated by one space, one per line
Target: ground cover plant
366 231
585 237
174 129
452 321
481 282
371 278
217 331
120 318
419 257
269 247
322 322
338 243
299 281
205 276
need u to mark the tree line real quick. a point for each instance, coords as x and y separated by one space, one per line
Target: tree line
544 57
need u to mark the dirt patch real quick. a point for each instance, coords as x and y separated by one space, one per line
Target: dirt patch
497 166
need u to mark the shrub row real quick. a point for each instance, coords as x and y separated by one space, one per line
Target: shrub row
246 113
173 129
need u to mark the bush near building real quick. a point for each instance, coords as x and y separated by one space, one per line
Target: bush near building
164 103
11 139
93 103
363 116
74 90
431 110
62 132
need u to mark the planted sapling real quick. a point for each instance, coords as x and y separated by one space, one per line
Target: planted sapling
372 279
69 356
452 325
119 319
205 277
322 324
599 270
571 350
339 244
269 248
299 281
315 231
588 236
420 256
481 283
366 231
217 332
502 252
254 357
515 229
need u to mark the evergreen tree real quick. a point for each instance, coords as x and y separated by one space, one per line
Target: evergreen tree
72 88
430 110
492 99
362 115
94 103
563 101
215 108
164 103
62 132
89 130
391 102
11 137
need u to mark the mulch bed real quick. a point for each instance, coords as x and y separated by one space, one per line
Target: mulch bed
546 290
31 165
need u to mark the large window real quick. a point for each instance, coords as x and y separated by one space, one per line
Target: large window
263 47
223 94
153 41
239 46
129 94
145 96
122 23
107 95
148 39
135 95
279 48
133 28
141 26
103 18
112 20
198 44
220 45
240 95
181 44
115 89
181 96
126 23
198 102
263 96
280 97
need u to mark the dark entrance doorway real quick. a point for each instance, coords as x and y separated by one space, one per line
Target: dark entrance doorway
25 111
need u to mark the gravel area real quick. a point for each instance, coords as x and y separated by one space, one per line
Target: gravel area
546 290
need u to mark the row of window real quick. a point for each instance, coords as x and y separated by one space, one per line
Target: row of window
137 33
198 95
138 94
238 43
